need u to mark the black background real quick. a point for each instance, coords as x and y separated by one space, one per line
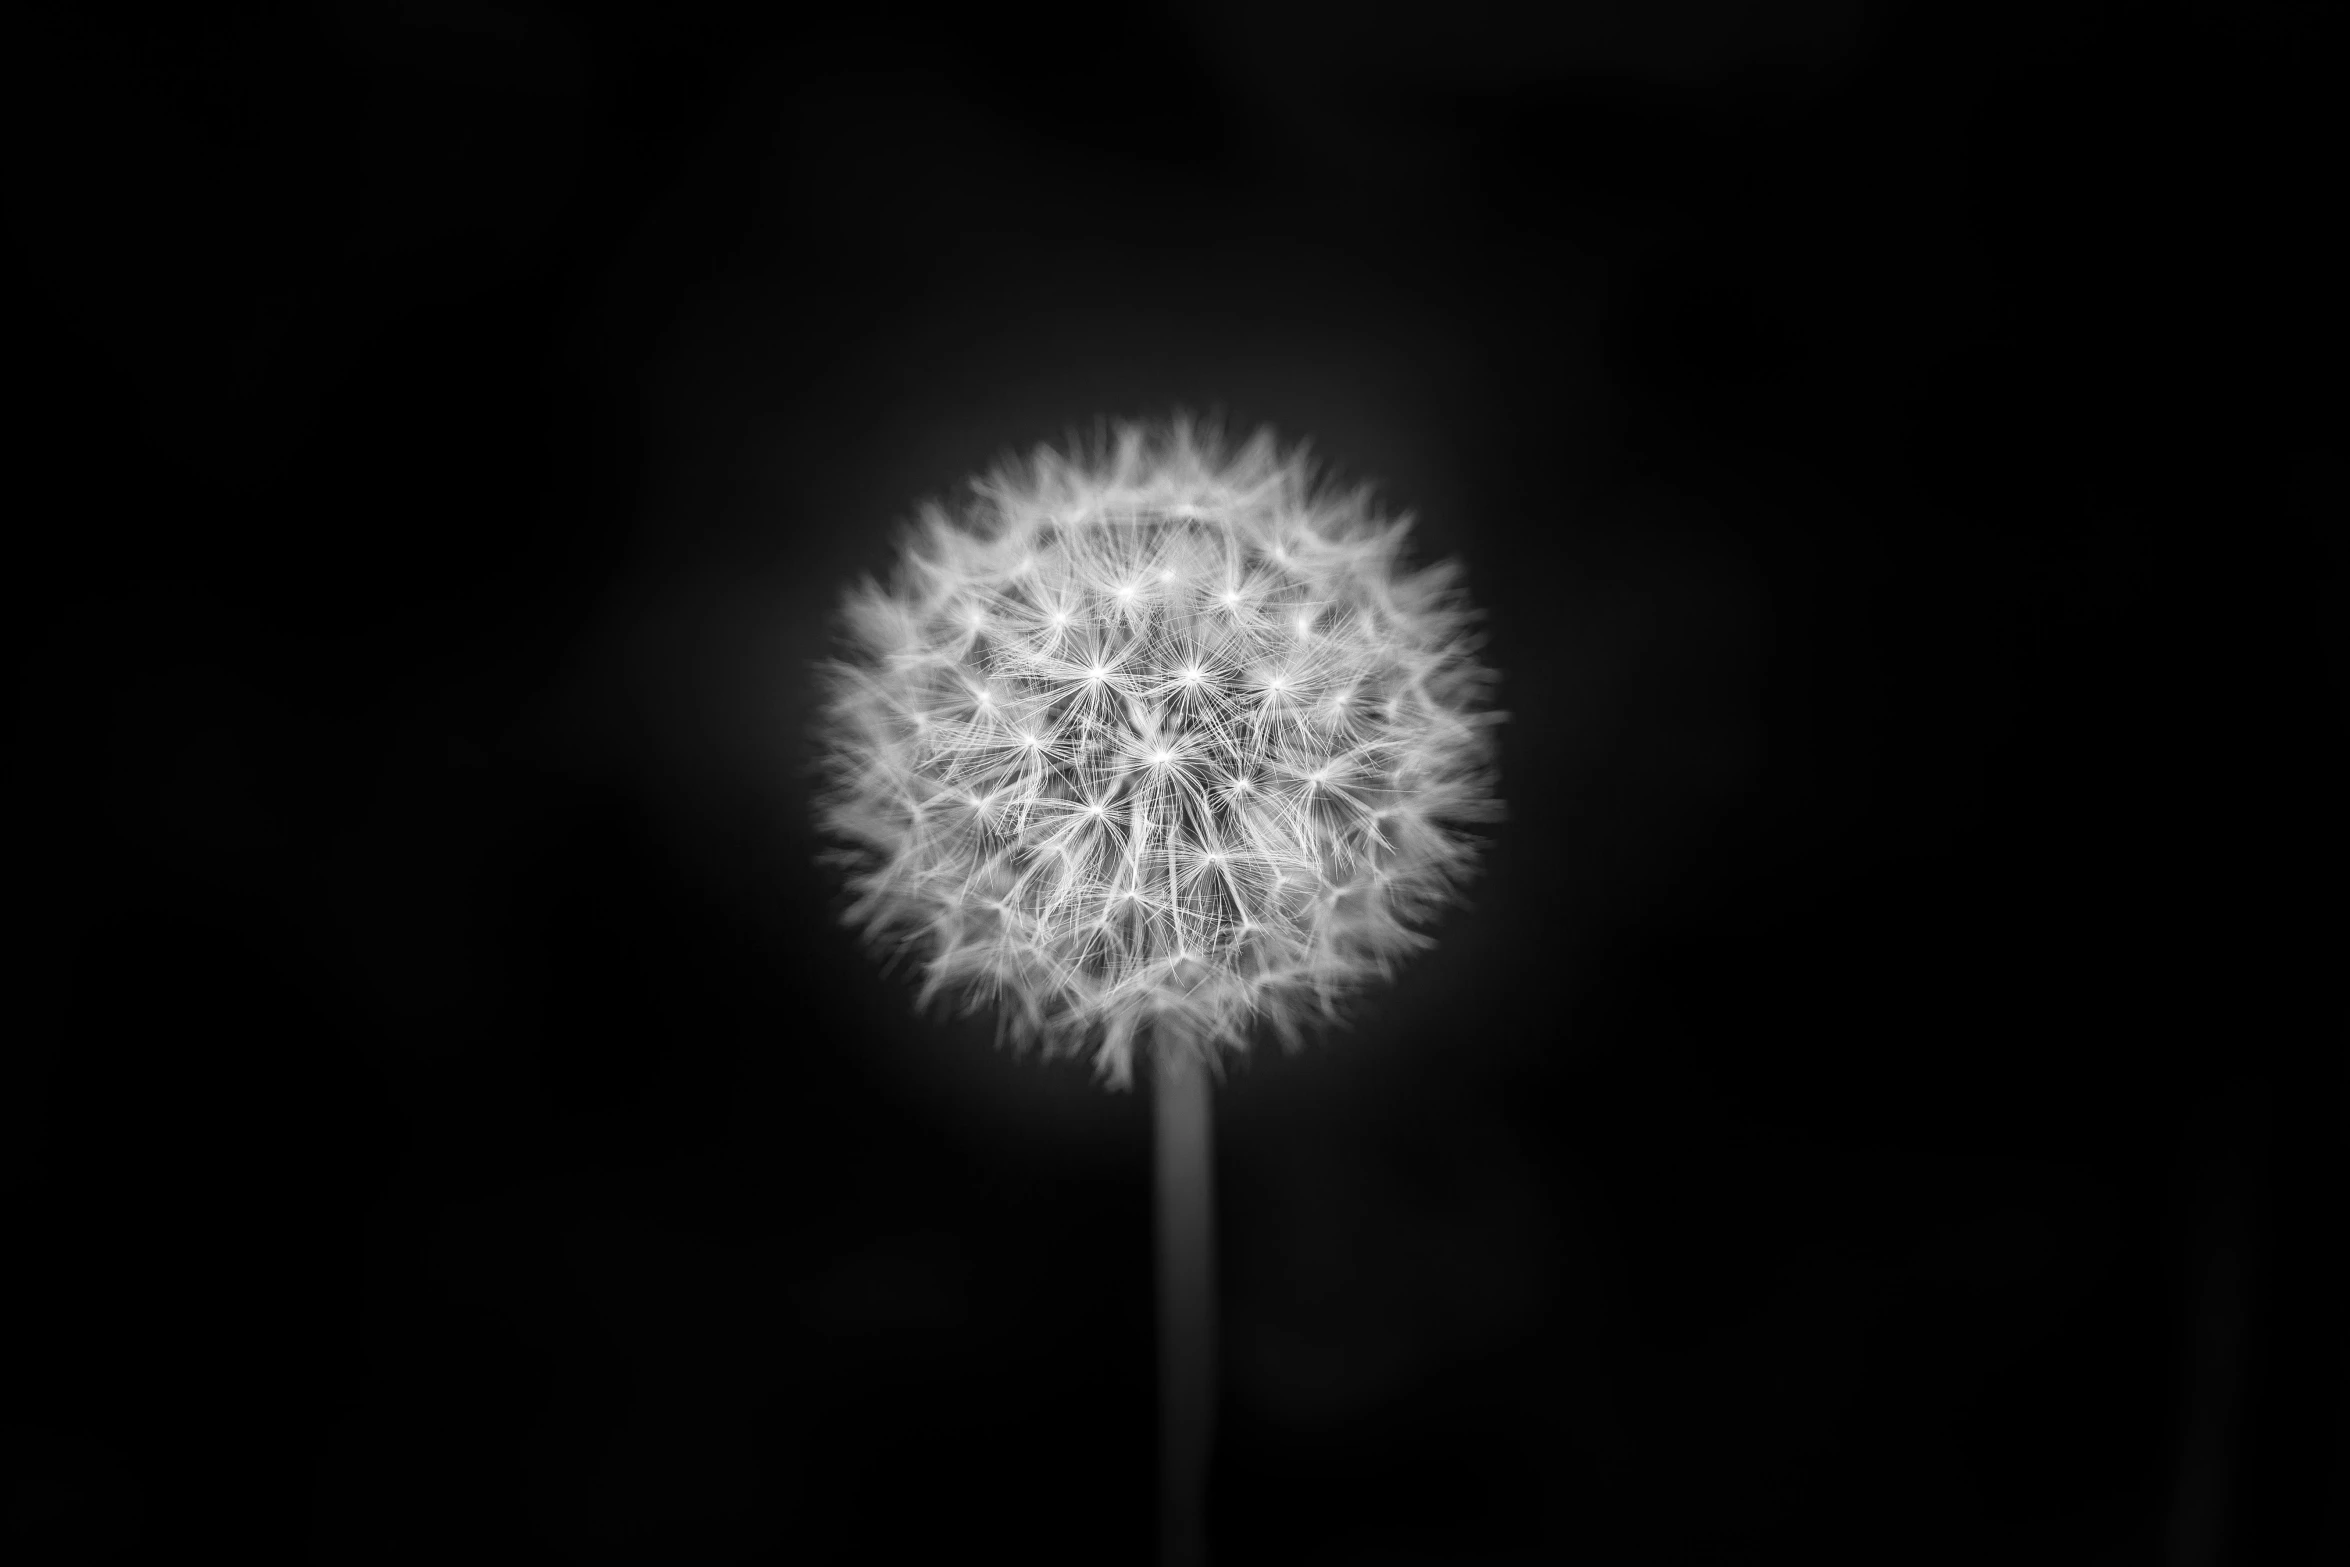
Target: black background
1879 1106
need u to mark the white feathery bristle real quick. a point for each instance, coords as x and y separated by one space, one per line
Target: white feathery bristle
1153 742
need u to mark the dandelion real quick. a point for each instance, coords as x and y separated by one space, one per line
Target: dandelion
1150 745
1197 654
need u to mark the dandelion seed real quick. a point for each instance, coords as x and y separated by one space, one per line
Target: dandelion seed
1127 640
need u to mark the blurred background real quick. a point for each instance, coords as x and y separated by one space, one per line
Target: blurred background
1880 1106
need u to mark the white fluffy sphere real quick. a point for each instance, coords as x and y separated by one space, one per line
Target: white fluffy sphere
1154 741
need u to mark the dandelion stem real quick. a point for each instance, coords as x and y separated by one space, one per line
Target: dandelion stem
1186 1216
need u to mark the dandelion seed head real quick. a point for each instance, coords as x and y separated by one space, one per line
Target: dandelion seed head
1155 742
